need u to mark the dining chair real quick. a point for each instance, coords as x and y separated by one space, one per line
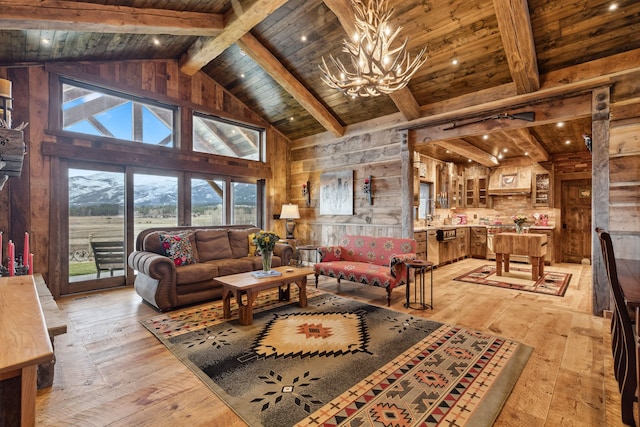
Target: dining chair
623 340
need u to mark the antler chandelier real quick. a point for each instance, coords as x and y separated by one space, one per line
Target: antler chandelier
378 68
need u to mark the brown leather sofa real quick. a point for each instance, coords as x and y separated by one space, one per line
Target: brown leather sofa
217 251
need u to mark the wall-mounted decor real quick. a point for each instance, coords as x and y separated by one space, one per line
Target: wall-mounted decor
584 193
509 180
336 193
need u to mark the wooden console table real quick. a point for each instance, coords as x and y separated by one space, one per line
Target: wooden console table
26 344
532 245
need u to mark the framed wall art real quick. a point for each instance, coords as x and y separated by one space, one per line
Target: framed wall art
336 193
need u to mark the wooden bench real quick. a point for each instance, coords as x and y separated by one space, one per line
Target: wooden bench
109 256
56 325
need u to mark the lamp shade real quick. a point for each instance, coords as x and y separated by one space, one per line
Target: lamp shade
290 211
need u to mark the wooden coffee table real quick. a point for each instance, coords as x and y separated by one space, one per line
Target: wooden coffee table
249 285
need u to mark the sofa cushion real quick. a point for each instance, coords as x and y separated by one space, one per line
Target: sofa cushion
152 242
213 244
239 241
194 273
231 266
178 248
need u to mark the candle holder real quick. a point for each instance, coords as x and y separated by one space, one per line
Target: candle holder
306 193
19 269
367 189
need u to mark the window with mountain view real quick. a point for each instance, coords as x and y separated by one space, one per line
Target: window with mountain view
207 197
213 135
93 111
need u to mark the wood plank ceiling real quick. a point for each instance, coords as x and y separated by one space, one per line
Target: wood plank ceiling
266 52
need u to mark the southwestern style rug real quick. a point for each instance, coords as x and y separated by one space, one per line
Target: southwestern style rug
518 278
343 362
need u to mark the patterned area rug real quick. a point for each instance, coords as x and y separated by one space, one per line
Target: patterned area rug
518 278
343 362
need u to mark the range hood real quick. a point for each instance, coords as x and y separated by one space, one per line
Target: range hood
510 180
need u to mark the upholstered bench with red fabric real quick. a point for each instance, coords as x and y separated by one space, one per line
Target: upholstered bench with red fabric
377 261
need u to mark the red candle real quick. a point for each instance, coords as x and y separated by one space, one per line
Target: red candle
304 185
0 247
366 180
11 266
31 264
25 253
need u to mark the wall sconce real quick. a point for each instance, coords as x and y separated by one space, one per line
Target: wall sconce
367 189
5 103
306 193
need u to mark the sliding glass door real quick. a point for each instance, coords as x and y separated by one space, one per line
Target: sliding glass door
96 225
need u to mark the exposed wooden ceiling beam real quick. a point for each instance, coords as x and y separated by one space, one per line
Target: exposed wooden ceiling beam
403 98
280 74
237 24
517 38
92 17
528 143
464 148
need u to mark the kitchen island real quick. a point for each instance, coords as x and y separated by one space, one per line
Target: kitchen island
532 245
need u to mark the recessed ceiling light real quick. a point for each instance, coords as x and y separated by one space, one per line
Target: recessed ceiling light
454 62
613 6
46 41
156 41
568 141
500 156
291 118
242 52
469 160
505 150
485 136
242 76
303 38
448 151
560 124
526 153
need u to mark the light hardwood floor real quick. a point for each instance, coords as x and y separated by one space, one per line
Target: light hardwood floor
111 371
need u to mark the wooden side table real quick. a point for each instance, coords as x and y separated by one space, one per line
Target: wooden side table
419 267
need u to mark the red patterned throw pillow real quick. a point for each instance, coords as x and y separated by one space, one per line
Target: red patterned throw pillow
178 248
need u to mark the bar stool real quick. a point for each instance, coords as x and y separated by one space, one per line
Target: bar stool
419 267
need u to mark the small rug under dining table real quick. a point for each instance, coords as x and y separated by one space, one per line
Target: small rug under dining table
343 362
519 278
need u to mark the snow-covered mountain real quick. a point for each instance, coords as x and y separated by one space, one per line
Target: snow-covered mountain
108 189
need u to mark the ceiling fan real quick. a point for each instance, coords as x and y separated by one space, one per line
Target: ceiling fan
528 116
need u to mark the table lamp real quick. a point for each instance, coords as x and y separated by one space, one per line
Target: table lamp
290 212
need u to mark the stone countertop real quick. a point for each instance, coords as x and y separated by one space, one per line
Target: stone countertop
468 225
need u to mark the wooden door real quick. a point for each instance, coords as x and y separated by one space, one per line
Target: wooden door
576 220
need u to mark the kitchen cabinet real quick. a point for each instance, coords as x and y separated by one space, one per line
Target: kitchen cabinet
460 245
541 194
550 257
478 242
446 251
476 195
457 192
421 244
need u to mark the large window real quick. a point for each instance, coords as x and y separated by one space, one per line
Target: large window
216 136
98 112
207 202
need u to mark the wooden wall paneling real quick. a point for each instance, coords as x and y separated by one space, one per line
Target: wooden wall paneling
171 77
40 178
148 77
625 139
19 190
600 214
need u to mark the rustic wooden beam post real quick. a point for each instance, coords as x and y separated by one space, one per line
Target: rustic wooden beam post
406 155
600 195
